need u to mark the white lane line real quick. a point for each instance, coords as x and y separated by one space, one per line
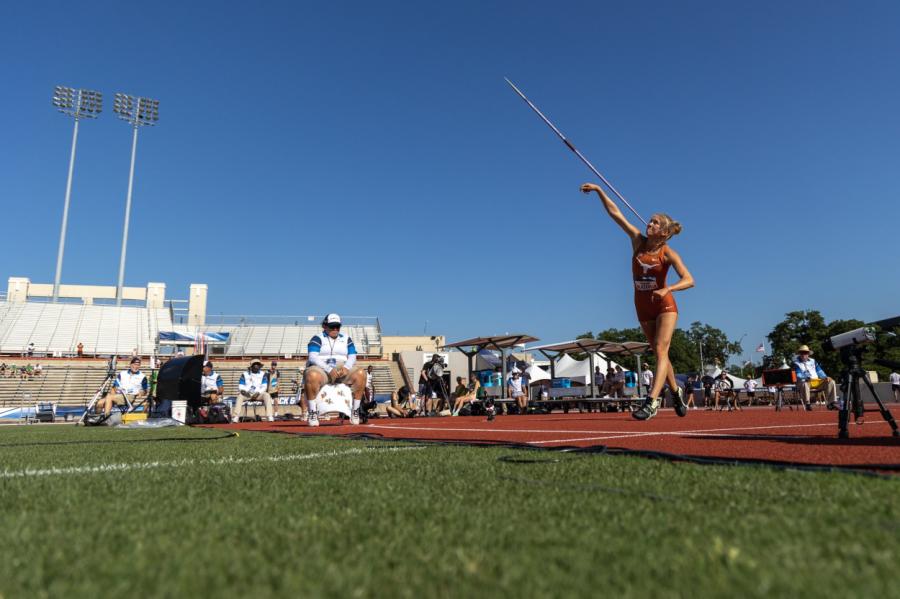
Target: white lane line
227 461
617 433
713 432
492 430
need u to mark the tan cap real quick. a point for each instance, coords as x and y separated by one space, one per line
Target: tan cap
804 349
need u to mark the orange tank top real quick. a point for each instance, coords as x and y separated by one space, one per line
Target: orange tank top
649 269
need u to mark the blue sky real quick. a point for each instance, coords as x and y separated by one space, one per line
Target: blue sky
377 145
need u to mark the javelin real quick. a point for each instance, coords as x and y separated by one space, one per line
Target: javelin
574 149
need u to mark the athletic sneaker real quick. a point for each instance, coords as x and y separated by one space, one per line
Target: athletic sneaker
271 419
313 418
354 417
678 402
490 413
647 410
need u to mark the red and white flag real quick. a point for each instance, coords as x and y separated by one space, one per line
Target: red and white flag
761 349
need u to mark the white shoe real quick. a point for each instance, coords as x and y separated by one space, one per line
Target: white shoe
271 419
313 419
354 417
235 420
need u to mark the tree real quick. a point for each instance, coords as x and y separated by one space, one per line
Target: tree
683 351
802 327
715 343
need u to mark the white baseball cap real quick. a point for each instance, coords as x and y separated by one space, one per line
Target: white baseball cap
333 319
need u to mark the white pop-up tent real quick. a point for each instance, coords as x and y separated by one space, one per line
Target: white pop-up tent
536 375
568 367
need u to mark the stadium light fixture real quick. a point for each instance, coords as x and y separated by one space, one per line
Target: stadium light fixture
78 104
137 112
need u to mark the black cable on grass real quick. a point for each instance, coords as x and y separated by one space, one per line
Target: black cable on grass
512 459
227 435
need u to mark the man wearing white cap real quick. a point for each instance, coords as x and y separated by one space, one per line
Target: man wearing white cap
332 359
252 386
810 375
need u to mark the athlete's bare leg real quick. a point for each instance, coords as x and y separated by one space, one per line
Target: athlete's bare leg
659 336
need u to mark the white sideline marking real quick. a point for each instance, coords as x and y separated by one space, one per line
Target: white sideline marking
122 467
617 434
490 430
713 432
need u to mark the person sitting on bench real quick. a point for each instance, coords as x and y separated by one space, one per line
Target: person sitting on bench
470 395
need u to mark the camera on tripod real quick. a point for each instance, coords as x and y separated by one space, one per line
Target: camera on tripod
852 345
860 336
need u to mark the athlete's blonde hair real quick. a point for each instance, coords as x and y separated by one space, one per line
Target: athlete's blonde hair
671 226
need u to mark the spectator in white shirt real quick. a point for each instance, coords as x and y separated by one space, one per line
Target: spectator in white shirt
212 388
750 388
647 378
252 386
131 383
514 386
895 385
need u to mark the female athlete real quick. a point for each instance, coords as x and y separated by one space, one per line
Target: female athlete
656 308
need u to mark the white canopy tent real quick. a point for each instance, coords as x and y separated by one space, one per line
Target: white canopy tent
536 375
568 367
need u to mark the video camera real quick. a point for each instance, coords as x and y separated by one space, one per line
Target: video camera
436 366
861 336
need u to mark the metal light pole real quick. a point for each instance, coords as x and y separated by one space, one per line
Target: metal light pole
137 112
78 104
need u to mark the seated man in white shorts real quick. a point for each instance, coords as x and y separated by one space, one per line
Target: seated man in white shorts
252 387
332 360
131 383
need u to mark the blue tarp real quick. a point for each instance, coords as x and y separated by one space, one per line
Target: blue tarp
174 337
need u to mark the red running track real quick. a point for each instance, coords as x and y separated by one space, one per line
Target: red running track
756 434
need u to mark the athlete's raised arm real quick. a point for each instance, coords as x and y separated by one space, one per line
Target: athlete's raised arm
614 213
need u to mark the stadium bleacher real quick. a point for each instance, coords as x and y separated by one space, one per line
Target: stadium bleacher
291 340
56 329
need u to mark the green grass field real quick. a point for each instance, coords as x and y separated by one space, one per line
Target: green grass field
103 512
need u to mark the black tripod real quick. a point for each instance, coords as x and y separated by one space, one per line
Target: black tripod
850 378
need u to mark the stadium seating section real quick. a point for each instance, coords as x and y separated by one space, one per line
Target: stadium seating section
57 329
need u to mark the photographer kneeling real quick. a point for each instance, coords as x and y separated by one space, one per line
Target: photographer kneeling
811 376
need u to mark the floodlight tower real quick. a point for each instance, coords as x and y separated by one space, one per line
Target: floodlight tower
78 104
137 112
